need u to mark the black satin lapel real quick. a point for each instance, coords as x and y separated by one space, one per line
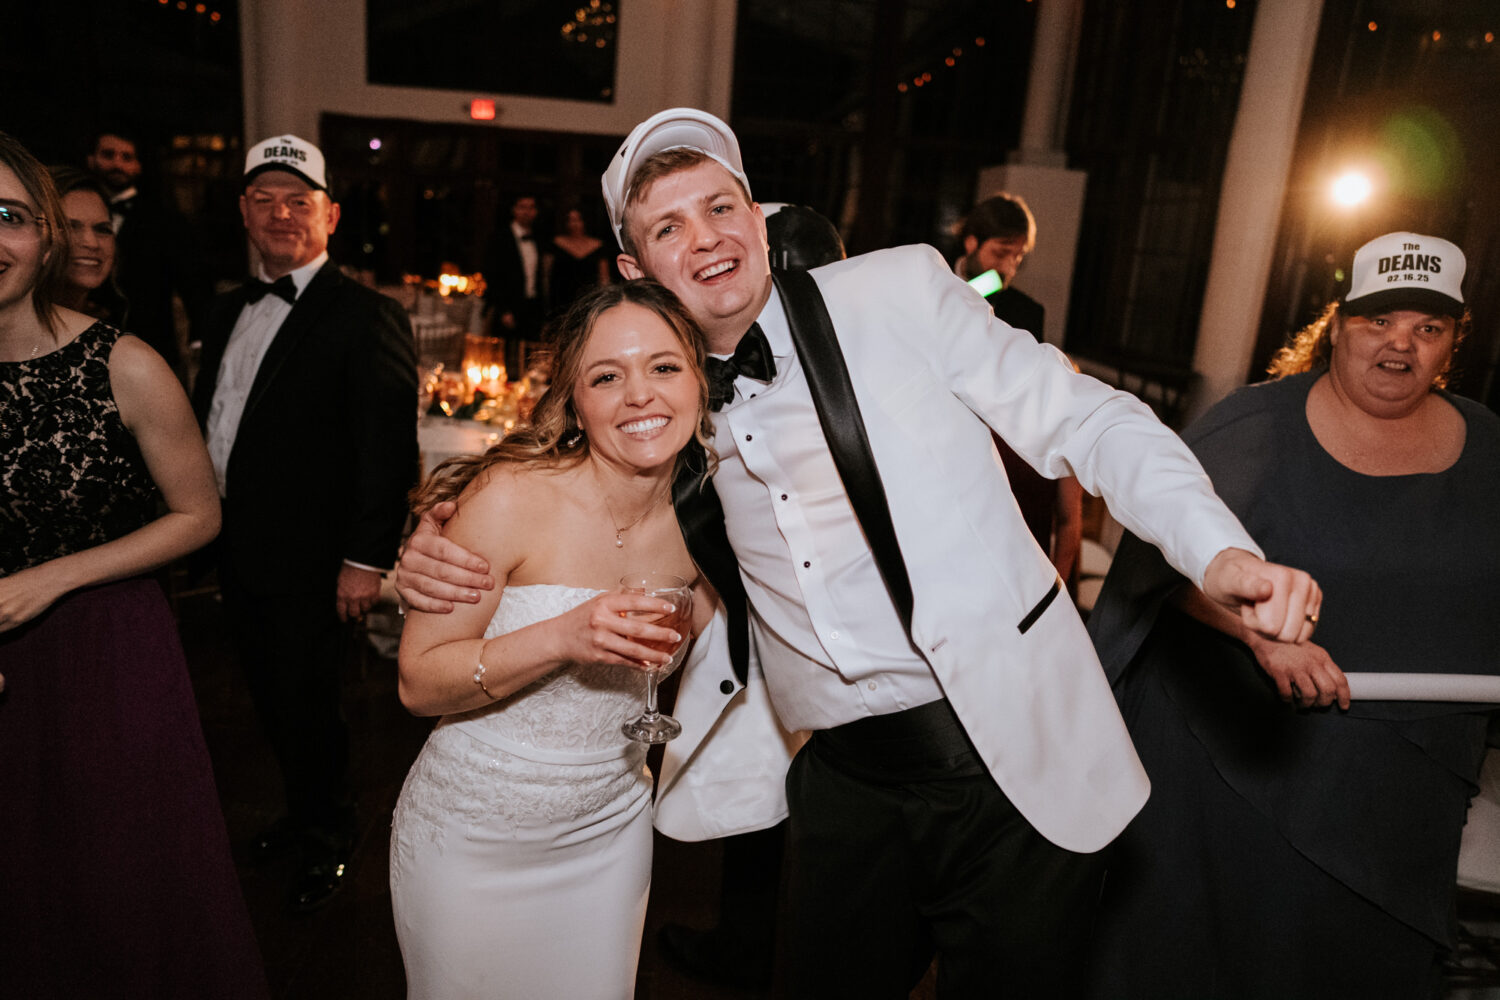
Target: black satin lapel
844 428
701 517
305 314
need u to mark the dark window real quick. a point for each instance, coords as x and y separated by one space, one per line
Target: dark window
1154 99
830 113
540 48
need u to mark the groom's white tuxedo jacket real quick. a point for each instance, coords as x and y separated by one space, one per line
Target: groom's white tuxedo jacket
933 370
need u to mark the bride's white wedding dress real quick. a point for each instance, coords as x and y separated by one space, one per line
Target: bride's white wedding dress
521 844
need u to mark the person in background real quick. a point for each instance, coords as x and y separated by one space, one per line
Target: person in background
576 263
116 878
157 255
307 392
907 619
90 286
800 239
515 282
997 235
1288 851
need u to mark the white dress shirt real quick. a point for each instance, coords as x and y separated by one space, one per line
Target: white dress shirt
116 216
829 638
530 257
248 341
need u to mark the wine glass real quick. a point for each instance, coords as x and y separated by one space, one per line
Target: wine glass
652 726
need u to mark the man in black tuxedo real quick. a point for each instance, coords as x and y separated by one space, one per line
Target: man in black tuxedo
307 394
514 295
157 255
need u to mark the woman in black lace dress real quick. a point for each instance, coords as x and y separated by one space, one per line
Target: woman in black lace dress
115 873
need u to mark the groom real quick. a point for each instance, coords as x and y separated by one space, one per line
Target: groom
967 761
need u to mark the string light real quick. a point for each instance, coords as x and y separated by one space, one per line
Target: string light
199 9
925 77
592 24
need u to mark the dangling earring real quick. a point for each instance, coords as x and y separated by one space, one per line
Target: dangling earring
573 438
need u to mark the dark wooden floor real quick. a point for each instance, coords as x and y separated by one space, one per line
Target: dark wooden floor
348 949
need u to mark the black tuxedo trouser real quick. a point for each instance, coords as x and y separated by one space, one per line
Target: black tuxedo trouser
901 845
292 649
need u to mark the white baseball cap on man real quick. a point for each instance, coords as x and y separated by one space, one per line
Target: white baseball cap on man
289 153
675 128
1406 269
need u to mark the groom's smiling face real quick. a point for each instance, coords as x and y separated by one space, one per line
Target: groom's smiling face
695 232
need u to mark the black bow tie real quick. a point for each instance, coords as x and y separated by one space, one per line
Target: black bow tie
284 286
752 359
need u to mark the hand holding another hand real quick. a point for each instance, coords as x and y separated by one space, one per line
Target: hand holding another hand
1271 600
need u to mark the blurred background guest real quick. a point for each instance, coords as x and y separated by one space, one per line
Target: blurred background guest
1301 851
115 863
89 283
157 255
800 238
577 262
514 294
997 235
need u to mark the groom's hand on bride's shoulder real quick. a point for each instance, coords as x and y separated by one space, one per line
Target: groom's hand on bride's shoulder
434 572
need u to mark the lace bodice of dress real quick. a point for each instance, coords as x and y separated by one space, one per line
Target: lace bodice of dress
547 753
71 474
575 709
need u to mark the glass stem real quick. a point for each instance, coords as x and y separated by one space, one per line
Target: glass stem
651 676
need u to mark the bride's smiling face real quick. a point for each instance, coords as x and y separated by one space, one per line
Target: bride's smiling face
636 395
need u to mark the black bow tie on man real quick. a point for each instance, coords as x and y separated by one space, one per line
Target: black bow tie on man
752 359
284 287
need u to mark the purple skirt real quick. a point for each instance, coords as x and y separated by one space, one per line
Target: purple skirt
115 872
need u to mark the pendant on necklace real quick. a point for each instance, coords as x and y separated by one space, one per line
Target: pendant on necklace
619 542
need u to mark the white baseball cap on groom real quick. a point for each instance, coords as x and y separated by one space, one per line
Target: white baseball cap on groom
675 128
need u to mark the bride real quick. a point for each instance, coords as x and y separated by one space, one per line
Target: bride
521 844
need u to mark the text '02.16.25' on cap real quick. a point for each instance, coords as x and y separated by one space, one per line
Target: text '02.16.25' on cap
1406 270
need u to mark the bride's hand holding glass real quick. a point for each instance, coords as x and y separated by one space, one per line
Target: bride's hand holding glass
652 726
620 627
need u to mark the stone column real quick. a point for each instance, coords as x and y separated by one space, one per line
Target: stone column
1038 171
1250 200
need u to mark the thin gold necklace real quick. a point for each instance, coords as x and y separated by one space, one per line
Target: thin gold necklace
614 522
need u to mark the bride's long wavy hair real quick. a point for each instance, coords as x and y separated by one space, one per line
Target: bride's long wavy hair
553 437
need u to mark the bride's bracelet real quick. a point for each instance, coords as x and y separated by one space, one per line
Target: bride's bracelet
479 679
